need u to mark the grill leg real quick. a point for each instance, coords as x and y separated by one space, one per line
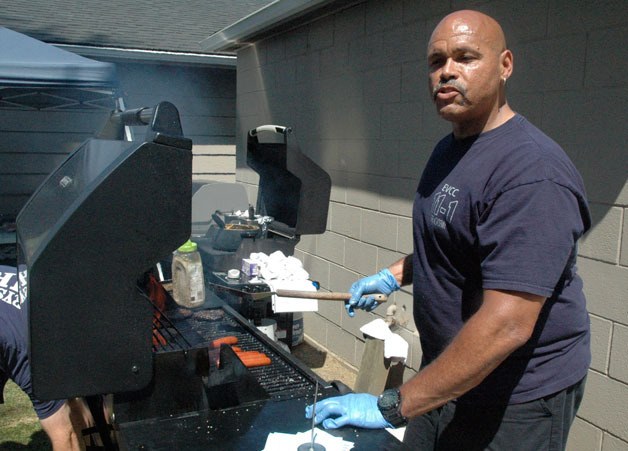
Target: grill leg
95 405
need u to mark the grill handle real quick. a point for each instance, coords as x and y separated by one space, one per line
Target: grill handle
326 296
279 129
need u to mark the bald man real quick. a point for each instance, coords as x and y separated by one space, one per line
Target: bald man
498 302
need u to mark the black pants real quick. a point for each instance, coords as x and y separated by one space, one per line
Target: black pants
542 424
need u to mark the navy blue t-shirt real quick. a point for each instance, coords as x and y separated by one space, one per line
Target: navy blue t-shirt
13 342
503 210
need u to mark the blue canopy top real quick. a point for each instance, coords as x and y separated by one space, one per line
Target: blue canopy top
27 62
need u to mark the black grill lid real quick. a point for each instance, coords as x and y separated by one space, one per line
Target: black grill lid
109 213
293 189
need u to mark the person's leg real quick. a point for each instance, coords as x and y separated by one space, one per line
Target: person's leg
540 424
565 406
421 431
468 427
61 431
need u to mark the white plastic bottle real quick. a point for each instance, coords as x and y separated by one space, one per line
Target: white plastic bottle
188 284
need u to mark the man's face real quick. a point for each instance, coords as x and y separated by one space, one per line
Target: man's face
464 70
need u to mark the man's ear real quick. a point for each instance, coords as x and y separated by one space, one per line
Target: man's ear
506 64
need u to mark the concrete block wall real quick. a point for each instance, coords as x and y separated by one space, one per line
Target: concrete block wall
353 86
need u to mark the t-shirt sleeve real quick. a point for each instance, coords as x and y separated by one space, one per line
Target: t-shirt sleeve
14 363
22 377
3 381
526 237
44 409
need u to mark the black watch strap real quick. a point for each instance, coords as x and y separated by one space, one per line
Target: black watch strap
389 404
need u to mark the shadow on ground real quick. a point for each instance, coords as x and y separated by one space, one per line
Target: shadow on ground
39 442
311 356
328 366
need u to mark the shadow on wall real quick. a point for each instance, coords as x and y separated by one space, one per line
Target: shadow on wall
372 127
372 149
569 82
591 130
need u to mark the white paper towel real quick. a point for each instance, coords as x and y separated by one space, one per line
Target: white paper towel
268 327
395 347
287 273
277 266
278 441
283 304
398 433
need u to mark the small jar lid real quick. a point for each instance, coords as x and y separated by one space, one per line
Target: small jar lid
188 246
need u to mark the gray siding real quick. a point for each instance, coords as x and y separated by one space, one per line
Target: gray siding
205 98
353 87
33 143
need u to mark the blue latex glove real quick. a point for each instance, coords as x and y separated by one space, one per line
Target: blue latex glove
355 409
382 282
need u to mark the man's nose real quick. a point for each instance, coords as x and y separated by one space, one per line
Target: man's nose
448 70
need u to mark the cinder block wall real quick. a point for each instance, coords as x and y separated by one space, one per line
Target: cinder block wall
353 86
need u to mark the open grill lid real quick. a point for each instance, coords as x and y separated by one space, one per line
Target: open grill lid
293 189
108 214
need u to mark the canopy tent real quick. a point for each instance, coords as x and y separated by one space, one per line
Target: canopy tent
36 75
51 100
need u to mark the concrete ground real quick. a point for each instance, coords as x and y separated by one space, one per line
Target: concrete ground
327 365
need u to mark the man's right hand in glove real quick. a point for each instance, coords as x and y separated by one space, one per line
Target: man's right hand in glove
382 282
354 409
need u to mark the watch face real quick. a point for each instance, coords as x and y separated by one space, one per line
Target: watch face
389 405
389 399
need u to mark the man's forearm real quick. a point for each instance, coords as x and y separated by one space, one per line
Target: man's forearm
503 324
402 270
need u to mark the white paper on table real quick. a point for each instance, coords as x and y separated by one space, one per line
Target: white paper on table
278 441
284 304
398 433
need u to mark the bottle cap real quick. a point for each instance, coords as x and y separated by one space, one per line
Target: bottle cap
188 246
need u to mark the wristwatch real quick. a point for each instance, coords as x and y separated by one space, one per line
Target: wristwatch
389 404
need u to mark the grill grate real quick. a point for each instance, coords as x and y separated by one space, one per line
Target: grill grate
166 337
184 329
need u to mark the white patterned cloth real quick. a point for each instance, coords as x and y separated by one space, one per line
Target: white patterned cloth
395 347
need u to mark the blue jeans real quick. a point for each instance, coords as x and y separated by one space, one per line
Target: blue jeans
542 424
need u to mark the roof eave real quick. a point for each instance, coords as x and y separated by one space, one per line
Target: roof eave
214 60
271 16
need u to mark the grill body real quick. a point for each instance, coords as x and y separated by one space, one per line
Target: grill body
119 207
195 402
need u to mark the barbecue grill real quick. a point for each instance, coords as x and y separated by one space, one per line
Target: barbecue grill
293 192
293 200
101 323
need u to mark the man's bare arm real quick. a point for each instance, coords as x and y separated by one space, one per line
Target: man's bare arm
504 322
